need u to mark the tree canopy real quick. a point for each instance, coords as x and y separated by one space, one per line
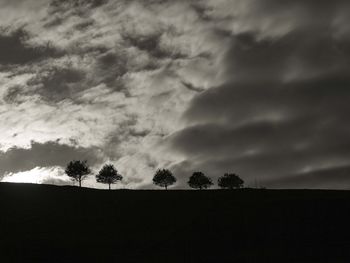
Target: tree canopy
230 181
108 175
78 170
164 178
199 181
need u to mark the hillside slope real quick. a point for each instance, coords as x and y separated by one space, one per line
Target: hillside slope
41 223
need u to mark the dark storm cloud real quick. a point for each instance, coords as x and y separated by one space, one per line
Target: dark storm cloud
12 95
61 10
62 6
243 102
45 155
57 83
84 25
328 178
148 43
202 10
151 44
15 49
109 68
190 86
283 108
316 52
266 147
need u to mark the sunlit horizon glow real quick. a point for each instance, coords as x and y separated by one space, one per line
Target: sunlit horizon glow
38 175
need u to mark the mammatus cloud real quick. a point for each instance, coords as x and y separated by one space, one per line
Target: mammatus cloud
254 87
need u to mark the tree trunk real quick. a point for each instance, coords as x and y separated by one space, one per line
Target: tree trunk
109 186
79 182
166 187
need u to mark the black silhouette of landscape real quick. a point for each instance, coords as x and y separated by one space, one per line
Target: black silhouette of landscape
42 223
166 131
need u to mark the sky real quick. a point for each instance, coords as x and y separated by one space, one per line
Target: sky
260 88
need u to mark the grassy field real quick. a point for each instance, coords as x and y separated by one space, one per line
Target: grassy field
41 223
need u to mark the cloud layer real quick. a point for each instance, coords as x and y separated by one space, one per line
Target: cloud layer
254 87
280 117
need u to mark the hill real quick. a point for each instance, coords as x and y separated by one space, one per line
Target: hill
41 223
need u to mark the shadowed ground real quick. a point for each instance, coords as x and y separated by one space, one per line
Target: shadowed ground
41 223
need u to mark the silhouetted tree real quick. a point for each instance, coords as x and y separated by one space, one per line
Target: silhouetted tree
164 178
78 170
199 181
108 175
230 181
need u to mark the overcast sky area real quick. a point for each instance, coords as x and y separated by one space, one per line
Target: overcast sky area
256 87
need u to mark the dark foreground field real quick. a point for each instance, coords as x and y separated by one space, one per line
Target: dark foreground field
66 224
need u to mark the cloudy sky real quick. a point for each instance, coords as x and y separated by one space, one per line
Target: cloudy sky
256 87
